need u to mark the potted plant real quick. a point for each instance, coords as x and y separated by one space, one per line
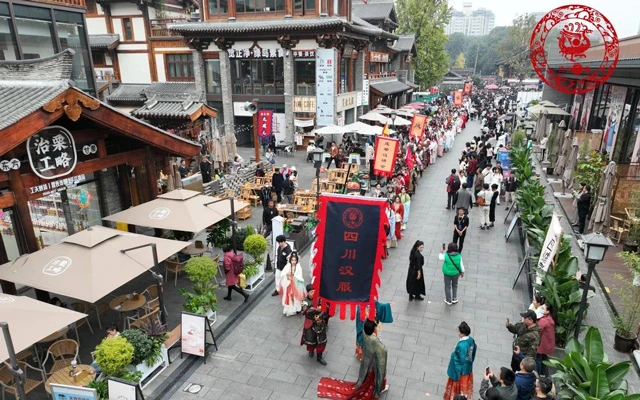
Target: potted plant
632 240
628 318
256 246
113 355
203 300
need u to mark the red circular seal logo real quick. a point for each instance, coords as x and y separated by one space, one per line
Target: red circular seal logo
352 218
572 28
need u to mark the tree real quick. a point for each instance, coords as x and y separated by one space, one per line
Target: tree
456 44
460 62
426 19
514 51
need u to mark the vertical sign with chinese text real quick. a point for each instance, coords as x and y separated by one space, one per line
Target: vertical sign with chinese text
325 86
457 98
265 121
467 87
418 123
551 243
349 269
365 92
52 152
385 154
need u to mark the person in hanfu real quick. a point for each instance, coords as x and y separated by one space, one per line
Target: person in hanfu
406 203
372 381
460 370
314 330
391 217
291 286
382 315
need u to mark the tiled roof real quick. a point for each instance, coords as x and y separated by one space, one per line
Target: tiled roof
361 26
373 10
167 109
390 87
293 24
19 99
129 93
404 43
53 68
107 41
171 89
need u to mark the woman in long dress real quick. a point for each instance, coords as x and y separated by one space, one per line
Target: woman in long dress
392 241
460 370
291 286
415 276
382 315
406 203
398 209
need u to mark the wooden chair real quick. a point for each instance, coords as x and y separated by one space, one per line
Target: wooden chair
244 213
617 228
153 299
8 385
139 322
248 196
62 353
175 267
81 308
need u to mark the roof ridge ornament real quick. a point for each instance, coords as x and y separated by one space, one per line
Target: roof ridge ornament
68 101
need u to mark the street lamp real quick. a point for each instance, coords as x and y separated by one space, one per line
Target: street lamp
393 116
317 163
595 247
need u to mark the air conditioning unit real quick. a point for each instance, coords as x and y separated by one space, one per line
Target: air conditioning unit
195 16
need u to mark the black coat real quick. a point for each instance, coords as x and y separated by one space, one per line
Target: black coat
415 286
584 202
276 182
205 170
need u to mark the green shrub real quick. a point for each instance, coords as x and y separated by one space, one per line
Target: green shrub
518 139
255 245
200 301
101 387
113 355
200 270
142 344
217 236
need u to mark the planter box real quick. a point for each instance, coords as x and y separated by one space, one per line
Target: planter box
212 316
147 370
254 281
301 238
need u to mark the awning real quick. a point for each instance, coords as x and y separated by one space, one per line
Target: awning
304 123
389 87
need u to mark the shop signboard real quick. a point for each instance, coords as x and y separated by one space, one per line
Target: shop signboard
265 123
365 92
311 53
346 101
358 99
386 150
304 104
255 52
375 56
52 152
66 392
586 112
193 334
47 188
278 127
325 85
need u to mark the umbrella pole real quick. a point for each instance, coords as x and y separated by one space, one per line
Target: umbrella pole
17 373
234 221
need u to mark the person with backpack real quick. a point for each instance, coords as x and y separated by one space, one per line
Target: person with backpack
453 184
287 190
483 199
452 269
233 266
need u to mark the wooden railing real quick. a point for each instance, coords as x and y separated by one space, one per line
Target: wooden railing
388 74
67 3
159 27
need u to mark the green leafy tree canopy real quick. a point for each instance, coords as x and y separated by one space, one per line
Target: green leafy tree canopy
515 49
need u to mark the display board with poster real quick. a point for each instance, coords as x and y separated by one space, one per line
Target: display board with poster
194 335
66 392
120 389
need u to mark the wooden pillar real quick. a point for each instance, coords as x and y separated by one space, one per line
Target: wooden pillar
152 173
24 216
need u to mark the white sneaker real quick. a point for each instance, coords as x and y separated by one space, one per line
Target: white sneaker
454 301
447 302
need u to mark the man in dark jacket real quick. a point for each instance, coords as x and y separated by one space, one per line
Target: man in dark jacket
205 169
460 226
584 202
269 213
527 337
276 182
525 378
287 190
503 387
464 200
282 258
265 195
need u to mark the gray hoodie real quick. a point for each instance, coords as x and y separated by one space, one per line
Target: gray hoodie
464 199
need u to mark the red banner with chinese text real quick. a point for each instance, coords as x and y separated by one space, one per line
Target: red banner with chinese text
385 154
457 98
468 87
347 274
265 118
418 124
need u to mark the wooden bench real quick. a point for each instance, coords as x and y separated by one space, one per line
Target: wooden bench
174 338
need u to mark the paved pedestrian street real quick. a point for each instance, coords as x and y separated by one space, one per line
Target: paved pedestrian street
261 357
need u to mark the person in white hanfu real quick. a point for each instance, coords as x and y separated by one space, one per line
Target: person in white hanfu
291 286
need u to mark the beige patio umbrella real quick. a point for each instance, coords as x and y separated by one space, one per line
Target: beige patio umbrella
43 320
90 264
571 164
399 121
542 126
180 210
564 145
232 149
602 212
375 117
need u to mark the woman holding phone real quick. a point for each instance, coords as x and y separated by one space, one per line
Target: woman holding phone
452 268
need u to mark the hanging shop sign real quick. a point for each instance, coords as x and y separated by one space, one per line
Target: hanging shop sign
468 87
348 254
375 56
57 186
346 101
8 165
386 151
325 86
256 52
418 123
52 152
304 104
311 53
457 98
265 123
365 92
88 149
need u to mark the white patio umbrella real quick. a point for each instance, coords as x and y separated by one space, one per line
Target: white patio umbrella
367 130
374 116
571 164
331 130
406 112
383 109
399 121
602 212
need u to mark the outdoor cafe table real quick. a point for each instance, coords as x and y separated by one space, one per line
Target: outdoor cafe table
192 250
127 303
285 208
62 377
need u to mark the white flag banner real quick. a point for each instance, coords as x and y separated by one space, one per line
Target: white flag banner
551 243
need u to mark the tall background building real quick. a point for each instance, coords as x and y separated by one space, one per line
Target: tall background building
471 22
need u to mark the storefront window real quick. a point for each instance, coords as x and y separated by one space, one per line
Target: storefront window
8 49
214 81
628 131
72 35
218 7
600 108
179 67
37 38
251 6
64 213
262 76
345 75
305 77
9 237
